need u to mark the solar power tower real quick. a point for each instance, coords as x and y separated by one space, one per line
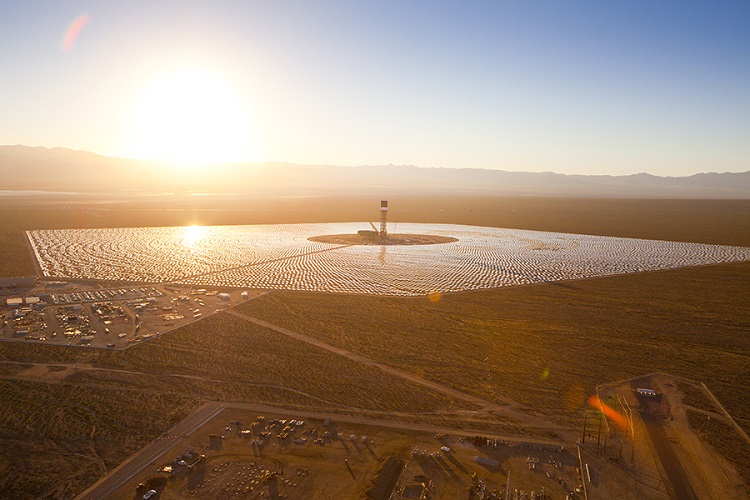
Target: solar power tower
383 218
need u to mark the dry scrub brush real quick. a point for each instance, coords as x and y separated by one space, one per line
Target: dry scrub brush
229 350
57 439
547 346
724 439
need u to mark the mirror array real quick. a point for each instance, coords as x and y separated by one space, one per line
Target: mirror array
281 257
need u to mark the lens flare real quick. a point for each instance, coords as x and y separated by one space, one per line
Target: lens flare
611 414
73 31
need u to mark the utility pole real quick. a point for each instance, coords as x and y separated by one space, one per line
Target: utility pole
583 436
507 488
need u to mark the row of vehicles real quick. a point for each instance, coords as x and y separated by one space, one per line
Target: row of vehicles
102 295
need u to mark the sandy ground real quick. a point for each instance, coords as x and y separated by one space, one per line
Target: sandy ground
705 222
670 460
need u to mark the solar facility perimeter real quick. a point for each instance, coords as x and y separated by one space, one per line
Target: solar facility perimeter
282 257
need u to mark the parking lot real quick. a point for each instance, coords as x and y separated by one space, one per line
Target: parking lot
113 318
241 453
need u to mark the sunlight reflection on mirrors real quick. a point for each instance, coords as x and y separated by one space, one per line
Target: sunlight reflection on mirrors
192 234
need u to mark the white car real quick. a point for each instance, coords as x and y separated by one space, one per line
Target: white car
149 494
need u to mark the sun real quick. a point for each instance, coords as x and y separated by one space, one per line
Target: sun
190 115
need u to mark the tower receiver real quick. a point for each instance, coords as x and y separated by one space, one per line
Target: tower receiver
383 218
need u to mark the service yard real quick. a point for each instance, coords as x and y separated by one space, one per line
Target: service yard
242 454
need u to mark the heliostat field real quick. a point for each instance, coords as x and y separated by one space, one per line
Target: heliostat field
282 257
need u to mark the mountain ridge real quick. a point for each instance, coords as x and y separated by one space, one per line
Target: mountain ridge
67 170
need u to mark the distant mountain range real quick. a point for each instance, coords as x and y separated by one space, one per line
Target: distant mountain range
25 168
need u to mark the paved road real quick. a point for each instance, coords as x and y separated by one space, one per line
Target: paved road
128 469
145 458
132 466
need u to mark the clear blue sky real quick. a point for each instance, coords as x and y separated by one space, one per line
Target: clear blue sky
572 87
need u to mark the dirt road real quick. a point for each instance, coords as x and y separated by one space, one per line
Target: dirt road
507 410
681 488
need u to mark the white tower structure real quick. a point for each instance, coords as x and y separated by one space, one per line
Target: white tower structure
383 218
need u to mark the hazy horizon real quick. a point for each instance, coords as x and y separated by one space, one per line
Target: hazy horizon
193 165
39 169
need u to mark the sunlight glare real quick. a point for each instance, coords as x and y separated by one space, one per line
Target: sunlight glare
191 116
192 234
